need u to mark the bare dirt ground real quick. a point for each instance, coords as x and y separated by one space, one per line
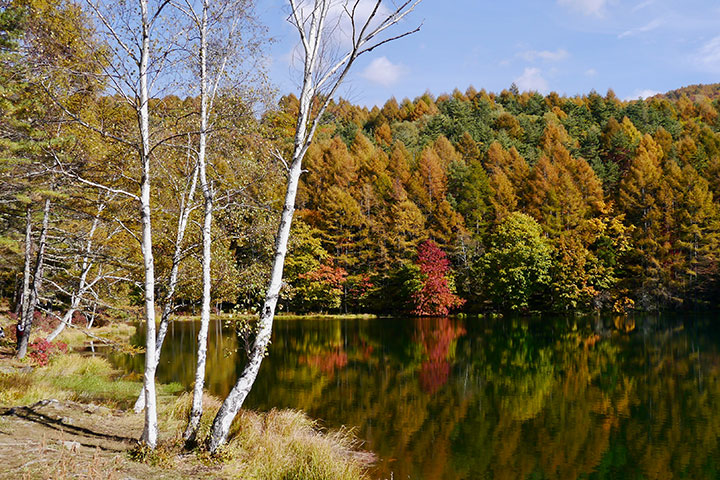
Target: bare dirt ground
63 440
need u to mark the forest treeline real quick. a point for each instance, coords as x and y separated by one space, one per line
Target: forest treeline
540 202
469 201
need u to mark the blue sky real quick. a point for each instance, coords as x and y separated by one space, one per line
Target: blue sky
635 47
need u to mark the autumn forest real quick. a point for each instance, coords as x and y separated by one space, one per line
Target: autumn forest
524 202
434 280
464 202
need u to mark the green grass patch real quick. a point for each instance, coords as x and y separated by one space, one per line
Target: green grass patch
74 377
277 445
119 333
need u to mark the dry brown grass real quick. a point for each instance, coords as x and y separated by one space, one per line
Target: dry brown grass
280 445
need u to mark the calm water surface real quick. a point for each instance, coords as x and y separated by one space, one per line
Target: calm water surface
505 399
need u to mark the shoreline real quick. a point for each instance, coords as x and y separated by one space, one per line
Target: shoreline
73 417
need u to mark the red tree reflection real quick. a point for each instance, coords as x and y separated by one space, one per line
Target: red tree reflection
436 337
327 362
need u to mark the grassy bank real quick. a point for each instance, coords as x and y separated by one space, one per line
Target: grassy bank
91 412
76 337
283 316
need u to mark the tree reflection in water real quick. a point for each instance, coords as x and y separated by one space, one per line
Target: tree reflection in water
440 398
436 338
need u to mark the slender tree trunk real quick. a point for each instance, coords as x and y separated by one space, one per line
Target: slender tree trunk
235 399
18 297
92 316
37 279
172 281
196 411
150 432
65 320
25 295
82 282
311 35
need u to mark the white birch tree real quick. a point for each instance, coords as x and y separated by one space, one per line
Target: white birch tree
323 74
31 288
178 255
136 55
196 410
223 23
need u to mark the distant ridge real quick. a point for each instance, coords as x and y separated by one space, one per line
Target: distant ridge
692 92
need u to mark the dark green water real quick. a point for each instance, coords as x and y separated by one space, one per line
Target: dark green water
503 399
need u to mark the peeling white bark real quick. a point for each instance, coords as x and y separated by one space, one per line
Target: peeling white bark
235 399
150 430
317 79
196 410
185 209
36 284
25 296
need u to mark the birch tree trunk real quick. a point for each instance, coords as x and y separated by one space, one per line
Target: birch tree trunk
25 295
36 284
196 411
236 397
150 432
172 281
317 78
82 282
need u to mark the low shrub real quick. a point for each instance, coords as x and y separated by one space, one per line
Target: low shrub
40 351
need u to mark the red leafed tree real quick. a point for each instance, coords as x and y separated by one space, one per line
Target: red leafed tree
434 295
322 288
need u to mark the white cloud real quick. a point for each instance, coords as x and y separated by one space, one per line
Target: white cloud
588 7
547 55
532 80
383 72
642 5
590 72
708 57
642 94
645 28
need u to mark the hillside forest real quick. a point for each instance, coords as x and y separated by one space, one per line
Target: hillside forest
463 202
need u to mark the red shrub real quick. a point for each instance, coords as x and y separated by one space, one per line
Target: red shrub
41 351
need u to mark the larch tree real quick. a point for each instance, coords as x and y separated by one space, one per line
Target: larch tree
34 34
638 199
323 72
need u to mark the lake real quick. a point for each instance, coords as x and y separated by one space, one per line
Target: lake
441 398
